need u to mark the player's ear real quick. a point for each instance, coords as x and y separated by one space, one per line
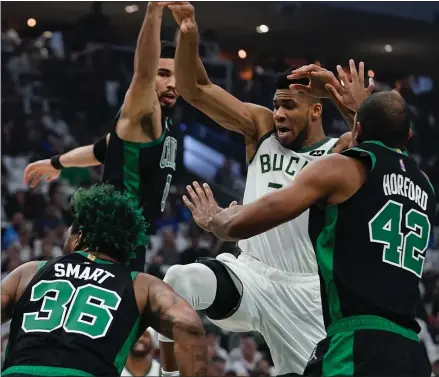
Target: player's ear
316 111
410 134
78 241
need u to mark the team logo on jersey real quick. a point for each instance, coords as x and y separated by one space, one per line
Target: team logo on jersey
401 163
169 153
317 153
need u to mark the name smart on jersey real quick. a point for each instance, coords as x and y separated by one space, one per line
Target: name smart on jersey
81 272
277 162
397 184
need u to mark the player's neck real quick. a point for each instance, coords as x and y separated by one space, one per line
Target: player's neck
139 366
101 256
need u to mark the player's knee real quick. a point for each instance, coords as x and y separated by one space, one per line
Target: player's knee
195 282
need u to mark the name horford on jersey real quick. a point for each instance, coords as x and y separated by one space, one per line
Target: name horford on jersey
288 246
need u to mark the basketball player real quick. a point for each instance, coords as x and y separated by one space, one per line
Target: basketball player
80 314
370 217
140 362
273 286
142 146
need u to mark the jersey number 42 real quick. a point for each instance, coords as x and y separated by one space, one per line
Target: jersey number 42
85 310
401 250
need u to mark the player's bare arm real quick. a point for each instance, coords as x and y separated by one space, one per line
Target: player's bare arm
13 287
193 83
81 157
331 180
141 104
173 317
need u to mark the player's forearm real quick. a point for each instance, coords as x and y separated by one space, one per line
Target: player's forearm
190 73
347 114
79 157
147 55
190 347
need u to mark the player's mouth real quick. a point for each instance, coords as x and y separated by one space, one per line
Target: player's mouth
283 132
169 98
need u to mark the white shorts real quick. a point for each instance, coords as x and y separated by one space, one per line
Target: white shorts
285 308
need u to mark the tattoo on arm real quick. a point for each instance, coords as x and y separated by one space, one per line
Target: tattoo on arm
161 301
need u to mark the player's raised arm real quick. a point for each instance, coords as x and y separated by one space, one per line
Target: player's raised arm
196 88
141 96
50 169
330 179
174 318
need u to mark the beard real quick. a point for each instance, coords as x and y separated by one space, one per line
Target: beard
140 353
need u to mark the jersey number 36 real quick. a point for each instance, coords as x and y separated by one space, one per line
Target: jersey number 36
85 310
405 251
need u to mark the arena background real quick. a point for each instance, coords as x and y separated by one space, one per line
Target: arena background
65 67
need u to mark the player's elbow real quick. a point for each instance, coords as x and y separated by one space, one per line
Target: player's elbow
188 323
191 93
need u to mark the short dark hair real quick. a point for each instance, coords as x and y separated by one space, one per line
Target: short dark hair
111 221
282 82
384 117
167 50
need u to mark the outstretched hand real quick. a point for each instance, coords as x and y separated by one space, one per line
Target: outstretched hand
202 204
38 170
183 12
353 93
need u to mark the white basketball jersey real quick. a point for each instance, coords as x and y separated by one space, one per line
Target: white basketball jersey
154 371
288 246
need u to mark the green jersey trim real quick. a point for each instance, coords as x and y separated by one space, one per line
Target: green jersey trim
339 359
41 265
121 357
35 370
370 322
316 145
93 258
134 275
400 151
371 155
325 244
429 182
258 144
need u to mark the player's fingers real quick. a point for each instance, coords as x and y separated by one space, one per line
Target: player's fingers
167 3
298 75
301 88
361 73
188 203
193 196
342 75
371 87
334 92
200 192
27 174
354 73
209 194
35 179
234 203
49 178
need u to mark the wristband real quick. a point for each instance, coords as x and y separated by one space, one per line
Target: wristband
55 162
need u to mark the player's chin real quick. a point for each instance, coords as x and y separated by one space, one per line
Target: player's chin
168 102
285 137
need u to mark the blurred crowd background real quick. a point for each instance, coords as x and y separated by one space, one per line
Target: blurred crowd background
64 72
